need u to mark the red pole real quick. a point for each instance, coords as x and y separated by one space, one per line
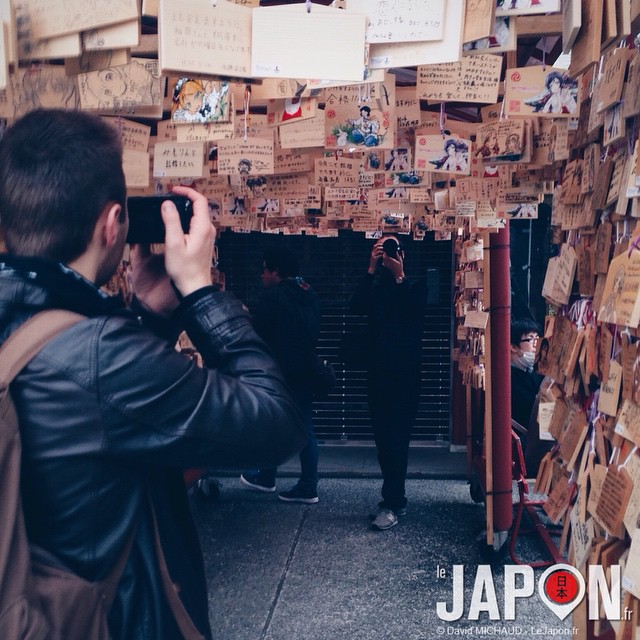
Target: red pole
501 379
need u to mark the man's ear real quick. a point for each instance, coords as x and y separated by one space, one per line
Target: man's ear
112 223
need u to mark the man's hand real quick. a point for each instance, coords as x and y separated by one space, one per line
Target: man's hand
150 281
394 265
376 254
188 256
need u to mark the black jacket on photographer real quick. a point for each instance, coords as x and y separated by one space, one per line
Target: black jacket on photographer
111 414
395 315
287 318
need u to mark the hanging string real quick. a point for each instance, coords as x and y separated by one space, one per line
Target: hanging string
544 53
245 104
442 118
308 3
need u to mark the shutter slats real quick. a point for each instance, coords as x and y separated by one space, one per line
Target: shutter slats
333 266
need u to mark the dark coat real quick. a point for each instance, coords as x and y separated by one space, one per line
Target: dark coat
287 318
524 389
110 414
395 316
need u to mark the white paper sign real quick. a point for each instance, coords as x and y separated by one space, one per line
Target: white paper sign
411 54
402 21
287 41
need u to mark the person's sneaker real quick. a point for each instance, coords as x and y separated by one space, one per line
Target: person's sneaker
384 520
208 489
299 495
254 482
402 511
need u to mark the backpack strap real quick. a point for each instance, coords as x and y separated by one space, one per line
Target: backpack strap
21 346
27 340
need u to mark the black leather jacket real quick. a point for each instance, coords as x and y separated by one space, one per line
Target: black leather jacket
110 415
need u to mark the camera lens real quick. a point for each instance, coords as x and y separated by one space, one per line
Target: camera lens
390 247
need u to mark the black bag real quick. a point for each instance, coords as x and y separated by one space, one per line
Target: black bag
323 377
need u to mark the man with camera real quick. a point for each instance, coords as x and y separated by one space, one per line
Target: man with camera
394 307
110 413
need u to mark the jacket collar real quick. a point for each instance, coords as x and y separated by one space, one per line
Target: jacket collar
32 284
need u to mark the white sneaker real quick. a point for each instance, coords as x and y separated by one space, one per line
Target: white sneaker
384 520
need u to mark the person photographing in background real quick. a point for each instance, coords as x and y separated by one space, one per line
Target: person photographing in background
394 307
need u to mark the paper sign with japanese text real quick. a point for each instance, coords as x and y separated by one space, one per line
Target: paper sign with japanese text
196 37
473 79
337 172
411 54
303 133
388 22
178 160
253 157
134 135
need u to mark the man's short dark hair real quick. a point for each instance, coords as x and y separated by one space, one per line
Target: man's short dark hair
58 170
282 260
520 327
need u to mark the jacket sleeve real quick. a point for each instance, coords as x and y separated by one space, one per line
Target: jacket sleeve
157 404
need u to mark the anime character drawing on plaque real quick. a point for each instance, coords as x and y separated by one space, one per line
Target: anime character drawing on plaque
244 166
372 160
512 149
397 160
489 146
42 86
200 101
364 130
558 96
257 185
455 158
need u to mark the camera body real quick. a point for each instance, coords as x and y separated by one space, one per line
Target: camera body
391 247
145 221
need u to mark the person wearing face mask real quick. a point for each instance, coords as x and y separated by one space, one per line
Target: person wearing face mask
525 382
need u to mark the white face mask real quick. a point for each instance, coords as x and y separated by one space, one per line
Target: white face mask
525 360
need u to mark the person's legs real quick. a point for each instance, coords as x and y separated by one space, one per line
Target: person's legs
306 489
309 456
392 417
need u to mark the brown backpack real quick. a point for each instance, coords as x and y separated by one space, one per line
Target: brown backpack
39 598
